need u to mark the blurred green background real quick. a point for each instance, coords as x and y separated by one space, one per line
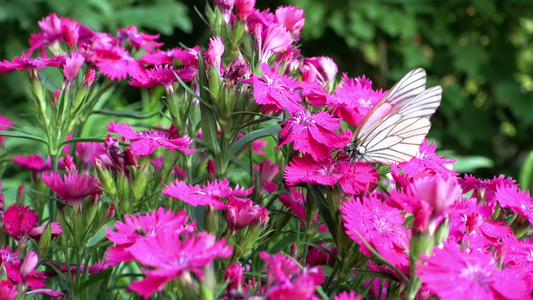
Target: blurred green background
480 51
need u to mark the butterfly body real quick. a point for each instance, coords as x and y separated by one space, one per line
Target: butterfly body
394 128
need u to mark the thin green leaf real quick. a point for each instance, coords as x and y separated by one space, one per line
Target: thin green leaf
24 136
324 210
125 113
254 135
99 276
100 234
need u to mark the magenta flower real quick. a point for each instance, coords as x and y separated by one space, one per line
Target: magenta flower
295 201
140 227
267 172
225 7
37 231
187 57
429 198
285 280
244 8
74 188
242 212
19 220
354 99
12 264
276 89
427 162
235 277
53 31
321 70
272 39
215 51
8 290
259 19
345 296
380 225
22 63
162 75
355 179
4 124
313 134
519 253
519 201
145 142
292 18
485 189
33 162
174 256
139 39
72 66
117 63
469 225
89 78
452 273
210 194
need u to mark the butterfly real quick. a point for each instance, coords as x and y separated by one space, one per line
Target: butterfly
396 126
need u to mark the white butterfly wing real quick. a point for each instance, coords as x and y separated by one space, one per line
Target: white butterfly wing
413 83
394 129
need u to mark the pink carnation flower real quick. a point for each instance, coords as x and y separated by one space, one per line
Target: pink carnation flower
295 201
354 99
72 66
518 200
23 62
139 39
429 199
33 162
345 296
427 162
235 277
321 70
519 253
292 18
380 225
210 194
117 63
14 270
272 39
242 212
53 31
4 124
8 290
276 89
485 189
140 227
313 134
452 273
355 179
19 220
74 188
162 57
145 142
215 51
285 280
173 256
469 225
162 75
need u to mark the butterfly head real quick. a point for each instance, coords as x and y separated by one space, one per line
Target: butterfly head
354 151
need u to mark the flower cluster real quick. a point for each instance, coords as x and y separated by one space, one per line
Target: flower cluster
261 199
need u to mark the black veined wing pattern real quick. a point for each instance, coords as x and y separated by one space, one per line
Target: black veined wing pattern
394 128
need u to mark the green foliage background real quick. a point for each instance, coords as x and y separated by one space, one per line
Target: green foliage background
480 51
